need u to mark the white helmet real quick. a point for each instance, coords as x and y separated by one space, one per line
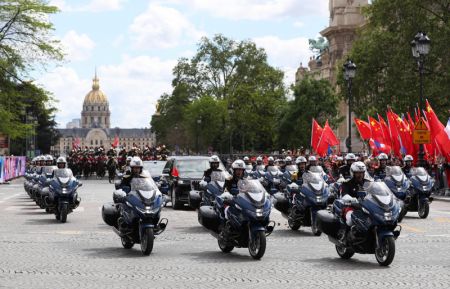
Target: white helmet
129 158
357 167
350 156
48 158
288 159
214 159
61 160
382 156
270 159
408 158
238 164
300 159
312 159
136 162
246 159
259 159
339 159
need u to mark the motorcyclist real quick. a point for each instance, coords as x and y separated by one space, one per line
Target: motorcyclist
345 169
247 161
380 172
136 171
127 168
214 163
259 162
312 162
408 165
301 165
231 184
48 160
281 165
270 162
61 163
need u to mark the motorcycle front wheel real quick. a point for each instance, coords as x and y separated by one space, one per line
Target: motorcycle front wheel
385 254
147 240
63 213
314 226
423 209
344 253
257 244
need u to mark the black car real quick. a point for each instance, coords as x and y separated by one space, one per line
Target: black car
179 172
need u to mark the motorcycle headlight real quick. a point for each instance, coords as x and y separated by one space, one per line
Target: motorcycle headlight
259 212
64 191
147 210
388 216
319 199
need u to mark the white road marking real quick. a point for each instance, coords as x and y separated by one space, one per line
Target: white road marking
9 197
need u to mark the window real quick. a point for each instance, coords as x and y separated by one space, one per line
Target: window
92 119
92 142
96 142
101 142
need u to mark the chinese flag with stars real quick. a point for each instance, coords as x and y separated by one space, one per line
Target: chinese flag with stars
363 128
316 133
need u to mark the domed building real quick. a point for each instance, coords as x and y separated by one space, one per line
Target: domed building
95 130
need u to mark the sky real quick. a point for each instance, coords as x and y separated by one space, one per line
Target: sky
134 45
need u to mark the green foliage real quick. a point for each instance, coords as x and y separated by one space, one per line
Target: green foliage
313 99
223 73
26 42
387 74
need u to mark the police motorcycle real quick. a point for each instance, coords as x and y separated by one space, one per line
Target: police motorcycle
373 228
421 186
62 196
272 179
32 184
300 208
247 223
209 191
28 173
136 216
41 189
29 177
249 171
399 185
259 172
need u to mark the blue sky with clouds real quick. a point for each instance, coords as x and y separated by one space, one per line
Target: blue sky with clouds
135 44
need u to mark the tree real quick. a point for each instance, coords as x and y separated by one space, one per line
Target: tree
312 99
225 73
26 43
387 73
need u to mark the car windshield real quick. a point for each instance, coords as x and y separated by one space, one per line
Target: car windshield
419 171
155 168
63 173
253 188
194 168
143 184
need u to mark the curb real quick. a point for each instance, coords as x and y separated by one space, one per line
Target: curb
441 199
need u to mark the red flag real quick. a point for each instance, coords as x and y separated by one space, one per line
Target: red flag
76 143
438 132
376 131
410 121
393 130
316 133
116 141
327 140
363 128
443 139
405 136
175 172
385 129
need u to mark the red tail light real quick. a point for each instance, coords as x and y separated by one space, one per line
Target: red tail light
175 172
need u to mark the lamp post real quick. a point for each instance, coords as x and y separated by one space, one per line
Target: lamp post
199 122
230 112
349 73
420 47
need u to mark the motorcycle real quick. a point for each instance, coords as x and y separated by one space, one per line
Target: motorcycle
421 185
399 185
247 223
63 197
208 192
271 179
374 223
135 216
311 197
43 182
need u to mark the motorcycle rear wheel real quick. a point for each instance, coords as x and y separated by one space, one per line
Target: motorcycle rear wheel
257 245
223 246
147 240
344 253
126 243
293 225
385 254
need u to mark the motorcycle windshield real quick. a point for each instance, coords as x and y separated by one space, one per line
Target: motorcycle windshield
379 191
315 180
420 173
219 178
395 173
48 170
273 170
291 168
316 169
63 175
253 189
146 187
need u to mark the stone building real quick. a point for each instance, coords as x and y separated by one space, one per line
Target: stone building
345 19
95 128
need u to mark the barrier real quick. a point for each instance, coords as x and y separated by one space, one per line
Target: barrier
11 168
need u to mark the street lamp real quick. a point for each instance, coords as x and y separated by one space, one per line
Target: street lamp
230 112
420 47
349 73
199 122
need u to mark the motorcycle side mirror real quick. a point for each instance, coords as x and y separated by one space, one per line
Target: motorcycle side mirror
80 184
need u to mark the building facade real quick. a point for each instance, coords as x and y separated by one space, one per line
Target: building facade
95 130
345 18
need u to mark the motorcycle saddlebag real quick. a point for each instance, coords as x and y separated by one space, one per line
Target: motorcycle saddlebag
208 218
328 223
281 202
194 199
110 214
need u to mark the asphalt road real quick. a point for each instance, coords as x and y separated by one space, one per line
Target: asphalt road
36 251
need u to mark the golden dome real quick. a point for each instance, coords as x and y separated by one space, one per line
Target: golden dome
95 96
